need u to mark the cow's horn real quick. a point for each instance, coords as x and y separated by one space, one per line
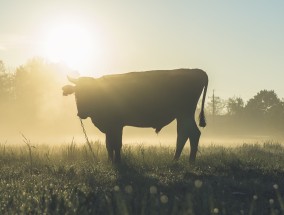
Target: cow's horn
72 80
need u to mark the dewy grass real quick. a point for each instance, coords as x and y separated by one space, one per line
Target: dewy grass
28 144
244 180
87 140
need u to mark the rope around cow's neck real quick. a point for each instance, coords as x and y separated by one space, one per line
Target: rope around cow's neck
87 139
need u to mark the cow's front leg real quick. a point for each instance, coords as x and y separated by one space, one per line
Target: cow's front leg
109 147
114 144
182 135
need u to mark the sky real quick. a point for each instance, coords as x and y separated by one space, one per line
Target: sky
239 43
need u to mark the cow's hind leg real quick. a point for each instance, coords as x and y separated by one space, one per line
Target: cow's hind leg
187 128
114 144
117 145
194 135
182 135
109 147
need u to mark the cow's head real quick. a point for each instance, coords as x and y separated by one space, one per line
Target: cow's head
82 89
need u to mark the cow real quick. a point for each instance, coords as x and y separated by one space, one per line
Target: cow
142 99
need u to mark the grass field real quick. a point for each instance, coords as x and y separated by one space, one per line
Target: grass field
67 179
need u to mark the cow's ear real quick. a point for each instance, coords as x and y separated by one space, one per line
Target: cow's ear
72 80
68 89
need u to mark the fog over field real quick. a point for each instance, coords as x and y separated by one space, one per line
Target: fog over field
32 104
238 44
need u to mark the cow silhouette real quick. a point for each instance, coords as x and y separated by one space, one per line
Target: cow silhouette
142 99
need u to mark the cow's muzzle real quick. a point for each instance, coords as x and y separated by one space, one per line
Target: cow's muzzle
82 116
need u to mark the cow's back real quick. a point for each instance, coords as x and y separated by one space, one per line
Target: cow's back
173 88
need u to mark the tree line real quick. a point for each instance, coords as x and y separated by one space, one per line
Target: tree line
263 114
30 92
28 82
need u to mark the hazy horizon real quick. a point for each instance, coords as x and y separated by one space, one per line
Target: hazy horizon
33 105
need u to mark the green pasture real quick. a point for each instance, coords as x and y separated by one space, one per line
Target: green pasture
69 179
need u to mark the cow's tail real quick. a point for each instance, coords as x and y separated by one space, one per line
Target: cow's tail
202 120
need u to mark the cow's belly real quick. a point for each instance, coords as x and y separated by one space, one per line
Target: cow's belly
151 117
156 122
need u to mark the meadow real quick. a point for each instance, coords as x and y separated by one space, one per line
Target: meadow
69 179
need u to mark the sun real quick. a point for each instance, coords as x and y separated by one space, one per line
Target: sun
70 44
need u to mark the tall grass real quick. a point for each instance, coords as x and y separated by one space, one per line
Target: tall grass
65 180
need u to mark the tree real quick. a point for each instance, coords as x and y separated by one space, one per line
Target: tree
235 106
266 111
216 106
263 104
6 84
2 67
37 86
34 79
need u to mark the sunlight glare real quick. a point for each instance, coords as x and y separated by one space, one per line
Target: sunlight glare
72 45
